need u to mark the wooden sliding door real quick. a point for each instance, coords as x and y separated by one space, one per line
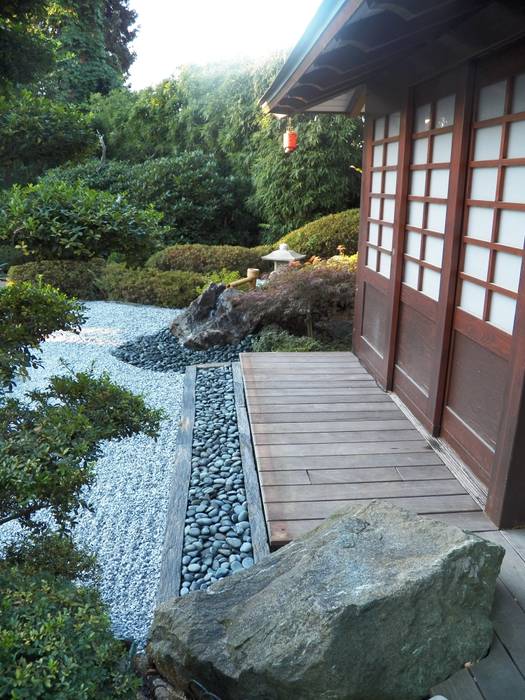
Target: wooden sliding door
428 241
490 266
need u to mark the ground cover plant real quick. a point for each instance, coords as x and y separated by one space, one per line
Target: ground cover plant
55 639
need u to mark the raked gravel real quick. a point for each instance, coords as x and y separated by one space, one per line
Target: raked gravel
133 476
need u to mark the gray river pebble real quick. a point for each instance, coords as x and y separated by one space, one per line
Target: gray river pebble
217 538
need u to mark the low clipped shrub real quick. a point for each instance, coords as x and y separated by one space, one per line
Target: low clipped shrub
173 289
322 236
54 220
210 258
76 278
55 640
319 238
222 277
275 339
348 261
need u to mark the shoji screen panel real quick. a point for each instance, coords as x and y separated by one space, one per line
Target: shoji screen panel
495 212
382 194
428 195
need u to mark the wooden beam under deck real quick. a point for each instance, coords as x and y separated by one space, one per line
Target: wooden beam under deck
325 436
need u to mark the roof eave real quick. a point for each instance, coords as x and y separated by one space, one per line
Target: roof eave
329 18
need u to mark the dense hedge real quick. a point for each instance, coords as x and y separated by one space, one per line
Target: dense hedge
320 238
55 641
200 203
76 278
173 289
209 258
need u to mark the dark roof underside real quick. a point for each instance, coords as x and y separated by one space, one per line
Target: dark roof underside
350 42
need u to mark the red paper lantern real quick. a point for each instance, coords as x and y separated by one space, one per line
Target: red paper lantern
289 140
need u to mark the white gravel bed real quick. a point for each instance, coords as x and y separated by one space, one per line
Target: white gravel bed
133 477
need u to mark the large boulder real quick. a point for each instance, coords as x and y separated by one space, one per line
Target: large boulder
375 604
214 318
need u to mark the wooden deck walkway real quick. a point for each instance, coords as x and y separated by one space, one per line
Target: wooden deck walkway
324 436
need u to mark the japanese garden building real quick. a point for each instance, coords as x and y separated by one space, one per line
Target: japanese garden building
440 308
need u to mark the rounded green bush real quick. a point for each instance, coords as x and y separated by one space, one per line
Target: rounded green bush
55 641
76 278
275 339
210 258
322 236
173 289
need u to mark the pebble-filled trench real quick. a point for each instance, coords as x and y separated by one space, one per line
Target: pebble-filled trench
217 536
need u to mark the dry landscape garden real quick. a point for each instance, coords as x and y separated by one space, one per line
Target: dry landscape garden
153 245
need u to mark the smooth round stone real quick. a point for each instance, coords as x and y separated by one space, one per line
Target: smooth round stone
247 562
193 568
194 531
236 566
184 591
234 542
186 560
246 547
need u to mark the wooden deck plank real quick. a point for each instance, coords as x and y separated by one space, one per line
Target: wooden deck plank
337 449
509 623
406 459
497 676
382 489
322 438
321 397
316 417
512 570
259 532
517 540
344 426
302 391
313 510
461 686
475 521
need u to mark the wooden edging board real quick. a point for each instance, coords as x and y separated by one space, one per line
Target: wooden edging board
259 532
170 570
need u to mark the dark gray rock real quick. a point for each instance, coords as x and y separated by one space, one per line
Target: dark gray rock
214 318
376 604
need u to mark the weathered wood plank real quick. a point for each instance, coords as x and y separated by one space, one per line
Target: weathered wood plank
512 570
284 531
310 384
461 686
356 448
382 489
307 377
259 532
316 417
297 476
349 476
420 458
426 472
475 521
324 407
497 676
320 398
264 392
516 538
334 437
313 510
339 426
509 623
170 569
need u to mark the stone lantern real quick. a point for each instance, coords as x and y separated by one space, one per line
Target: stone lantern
283 256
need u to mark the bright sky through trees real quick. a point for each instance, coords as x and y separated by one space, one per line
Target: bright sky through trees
175 32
